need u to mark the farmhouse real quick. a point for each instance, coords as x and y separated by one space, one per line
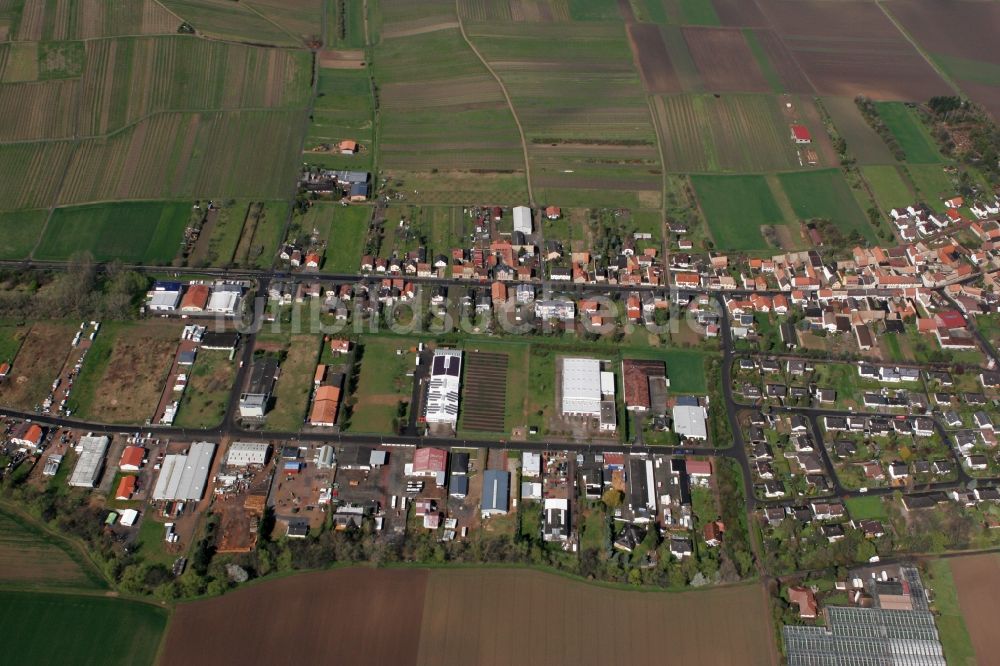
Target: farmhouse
800 134
88 465
326 404
347 147
245 454
28 435
441 405
496 491
184 476
126 488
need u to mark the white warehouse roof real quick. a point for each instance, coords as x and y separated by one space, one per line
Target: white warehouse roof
581 386
183 476
242 454
223 301
442 389
689 421
88 465
164 300
522 219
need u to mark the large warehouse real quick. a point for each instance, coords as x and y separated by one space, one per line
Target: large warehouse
581 386
89 464
244 454
183 476
441 405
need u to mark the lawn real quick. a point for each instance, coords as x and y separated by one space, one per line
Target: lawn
825 195
383 384
347 235
686 370
137 232
10 341
70 629
952 631
594 529
908 129
294 385
735 208
20 232
865 508
891 191
932 183
209 382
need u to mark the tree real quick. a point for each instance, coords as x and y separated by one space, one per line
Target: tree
612 498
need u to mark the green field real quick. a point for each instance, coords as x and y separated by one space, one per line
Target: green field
10 341
294 385
735 208
137 232
825 195
686 370
343 111
913 137
72 629
20 231
932 184
952 631
864 508
976 71
348 231
383 384
593 10
891 191
232 21
698 12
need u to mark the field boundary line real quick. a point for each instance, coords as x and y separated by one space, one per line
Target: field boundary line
663 177
510 104
923 54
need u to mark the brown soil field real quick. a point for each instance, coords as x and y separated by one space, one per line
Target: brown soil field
28 558
348 616
739 13
130 388
650 54
37 364
784 63
836 44
484 400
724 60
528 617
976 580
965 30
346 59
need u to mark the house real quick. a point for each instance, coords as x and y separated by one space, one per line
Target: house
713 532
347 147
553 212
805 600
326 404
28 435
430 463
531 464
131 460
496 493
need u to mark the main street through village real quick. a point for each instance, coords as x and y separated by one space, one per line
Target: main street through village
735 449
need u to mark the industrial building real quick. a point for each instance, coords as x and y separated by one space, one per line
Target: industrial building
645 385
224 299
689 418
184 476
244 454
522 219
556 519
263 374
496 493
589 391
91 459
441 404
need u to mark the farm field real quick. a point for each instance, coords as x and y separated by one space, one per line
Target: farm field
30 558
889 186
37 363
301 18
913 137
725 60
489 605
484 393
128 371
932 184
232 21
344 231
975 579
440 617
91 629
952 629
862 141
20 231
262 232
209 382
294 385
383 384
230 629
735 208
67 20
826 195
835 45
727 133
134 232
581 103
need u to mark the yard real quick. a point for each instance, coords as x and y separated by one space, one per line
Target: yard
295 383
383 383
865 508
210 380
